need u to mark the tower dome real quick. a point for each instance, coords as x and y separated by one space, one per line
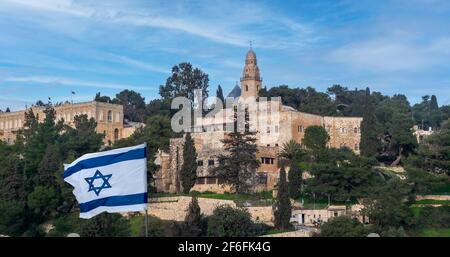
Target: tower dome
251 79
250 58
251 69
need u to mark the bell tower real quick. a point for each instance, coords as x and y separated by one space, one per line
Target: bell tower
251 80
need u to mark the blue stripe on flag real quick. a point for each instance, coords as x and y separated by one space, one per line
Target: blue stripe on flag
106 160
114 201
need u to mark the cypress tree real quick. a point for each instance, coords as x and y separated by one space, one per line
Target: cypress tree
434 113
192 226
283 205
295 180
188 172
219 95
370 143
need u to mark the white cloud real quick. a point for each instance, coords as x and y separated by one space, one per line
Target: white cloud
73 82
141 65
390 55
232 25
13 104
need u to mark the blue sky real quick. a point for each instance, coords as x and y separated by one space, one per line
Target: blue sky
50 47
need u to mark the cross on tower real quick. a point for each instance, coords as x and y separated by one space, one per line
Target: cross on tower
250 44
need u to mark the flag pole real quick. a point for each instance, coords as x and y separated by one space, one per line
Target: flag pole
146 181
146 223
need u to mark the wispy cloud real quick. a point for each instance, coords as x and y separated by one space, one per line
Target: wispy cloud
391 55
13 104
225 30
48 80
140 65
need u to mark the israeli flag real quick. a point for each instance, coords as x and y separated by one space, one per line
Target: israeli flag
111 181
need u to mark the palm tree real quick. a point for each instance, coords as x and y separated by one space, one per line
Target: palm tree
290 150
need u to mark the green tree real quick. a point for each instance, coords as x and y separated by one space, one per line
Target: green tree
13 184
400 137
106 225
303 99
37 137
295 180
104 99
283 209
397 140
344 181
193 222
370 131
82 139
159 107
386 207
133 105
434 154
290 150
434 113
237 166
219 95
49 166
423 182
183 81
43 200
188 172
342 227
316 139
12 217
227 221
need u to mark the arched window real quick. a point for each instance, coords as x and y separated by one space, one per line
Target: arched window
246 87
110 117
355 130
116 134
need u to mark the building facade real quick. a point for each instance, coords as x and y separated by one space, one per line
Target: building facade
274 124
109 118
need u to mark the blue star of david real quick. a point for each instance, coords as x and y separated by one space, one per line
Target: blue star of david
98 175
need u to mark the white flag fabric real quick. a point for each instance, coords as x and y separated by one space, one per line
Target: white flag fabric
111 181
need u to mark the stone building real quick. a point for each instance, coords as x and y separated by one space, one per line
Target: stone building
421 134
109 118
273 123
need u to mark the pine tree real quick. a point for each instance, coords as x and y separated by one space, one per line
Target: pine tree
37 137
49 166
283 208
188 172
12 180
192 226
402 140
237 167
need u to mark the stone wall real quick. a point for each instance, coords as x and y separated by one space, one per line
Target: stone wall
344 132
175 208
433 197
297 233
